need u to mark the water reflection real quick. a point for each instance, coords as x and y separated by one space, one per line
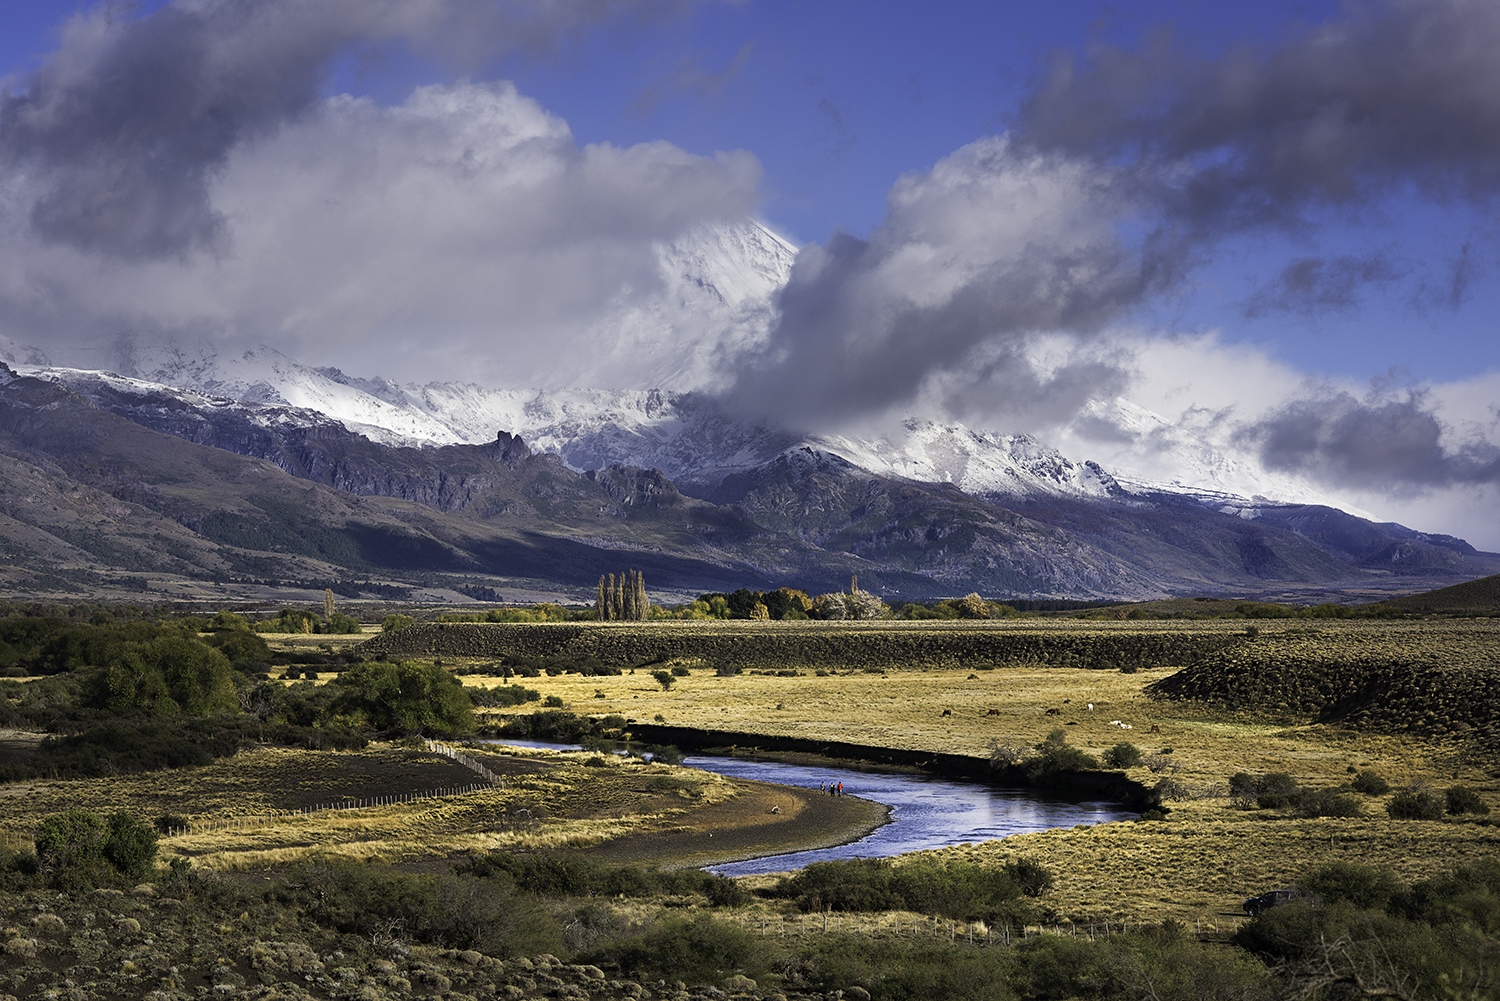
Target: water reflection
927 811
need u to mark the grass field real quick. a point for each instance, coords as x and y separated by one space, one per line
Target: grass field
1195 866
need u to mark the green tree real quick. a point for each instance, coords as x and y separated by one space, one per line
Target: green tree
664 679
70 847
411 697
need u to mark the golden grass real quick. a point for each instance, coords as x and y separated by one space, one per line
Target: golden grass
1198 865
1202 862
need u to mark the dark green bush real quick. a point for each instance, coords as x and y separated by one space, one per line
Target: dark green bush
1329 803
1276 791
452 910
503 695
698 950
1033 878
1461 799
1123 755
79 849
1055 755
1418 803
957 890
1364 886
1370 783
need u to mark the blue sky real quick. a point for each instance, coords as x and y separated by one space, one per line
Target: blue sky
1247 265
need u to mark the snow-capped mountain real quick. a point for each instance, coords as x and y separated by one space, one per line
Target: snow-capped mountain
685 435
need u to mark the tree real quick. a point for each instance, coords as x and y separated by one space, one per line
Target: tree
410 697
622 601
664 679
79 848
167 676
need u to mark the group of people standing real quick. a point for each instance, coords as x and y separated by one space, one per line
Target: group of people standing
833 788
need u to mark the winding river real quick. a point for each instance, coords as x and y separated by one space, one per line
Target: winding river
926 811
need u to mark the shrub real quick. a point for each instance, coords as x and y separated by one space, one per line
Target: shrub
664 679
680 672
79 849
553 702
665 754
699 950
394 622
130 846
1371 783
1416 803
1244 787
1158 763
1167 789
1329 803
1462 799
1123 755
1054 755
1366 887
410 696
1276 791
1033 878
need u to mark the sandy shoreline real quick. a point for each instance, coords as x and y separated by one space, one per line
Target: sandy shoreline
746 827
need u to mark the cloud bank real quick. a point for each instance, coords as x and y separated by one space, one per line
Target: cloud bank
182 173
1124 172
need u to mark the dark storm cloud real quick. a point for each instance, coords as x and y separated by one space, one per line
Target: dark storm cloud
1167 152
1391 445
1396 95
119 135
1314 285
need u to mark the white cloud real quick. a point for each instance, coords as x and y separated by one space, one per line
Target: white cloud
461 234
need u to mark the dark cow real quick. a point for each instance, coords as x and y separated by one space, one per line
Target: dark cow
993 712
1054 712
947 712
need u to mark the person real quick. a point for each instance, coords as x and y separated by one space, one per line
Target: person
841 788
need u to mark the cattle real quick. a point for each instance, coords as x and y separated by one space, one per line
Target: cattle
947 712
993 712
1154 729
1054 712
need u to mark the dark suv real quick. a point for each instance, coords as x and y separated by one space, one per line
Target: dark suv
1266 901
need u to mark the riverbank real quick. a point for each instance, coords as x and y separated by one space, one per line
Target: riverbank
761 820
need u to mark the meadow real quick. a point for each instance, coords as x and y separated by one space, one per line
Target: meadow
1206 705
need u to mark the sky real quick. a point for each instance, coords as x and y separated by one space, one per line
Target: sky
1275 225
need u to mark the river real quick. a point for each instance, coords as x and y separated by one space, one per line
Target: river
926 811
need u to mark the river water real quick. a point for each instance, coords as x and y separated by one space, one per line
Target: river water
926 811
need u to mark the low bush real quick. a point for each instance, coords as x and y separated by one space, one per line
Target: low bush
1370 783
1123 755
1416 803
1329 803
1461 799
954 889
1055 755
1276 791
550 874
699 949
452 910
503 696
79 849
1364 886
